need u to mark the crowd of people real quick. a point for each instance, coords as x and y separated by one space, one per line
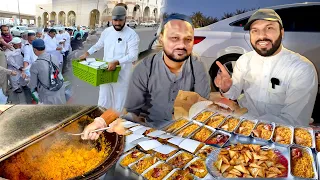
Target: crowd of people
19 67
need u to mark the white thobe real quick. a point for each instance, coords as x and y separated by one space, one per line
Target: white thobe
67 44
124 47
291 101
51 45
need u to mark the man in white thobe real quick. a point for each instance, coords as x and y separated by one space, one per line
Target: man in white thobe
28 55
279 85
53 46
121 47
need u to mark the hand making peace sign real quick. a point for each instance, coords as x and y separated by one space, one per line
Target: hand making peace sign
223 79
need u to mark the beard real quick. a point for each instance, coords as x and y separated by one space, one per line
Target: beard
268 52
175 58
118 28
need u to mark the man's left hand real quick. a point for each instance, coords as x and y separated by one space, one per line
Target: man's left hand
112 65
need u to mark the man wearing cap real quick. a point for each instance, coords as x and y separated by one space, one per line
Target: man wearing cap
15 63
28 55
40 75
279 85
121 47
53 46
24 38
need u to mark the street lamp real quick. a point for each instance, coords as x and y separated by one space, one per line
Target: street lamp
19 12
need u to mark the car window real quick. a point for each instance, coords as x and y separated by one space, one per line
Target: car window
240 23
304 21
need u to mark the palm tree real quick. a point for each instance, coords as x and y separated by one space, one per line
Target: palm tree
227 15
240 11
198 19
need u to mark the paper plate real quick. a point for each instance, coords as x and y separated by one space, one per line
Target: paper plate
198 107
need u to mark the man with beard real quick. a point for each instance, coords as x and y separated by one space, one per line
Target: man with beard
157 79
121 47
278 84
5 33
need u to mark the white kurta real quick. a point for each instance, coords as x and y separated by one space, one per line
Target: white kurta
290 102
124 47
51 45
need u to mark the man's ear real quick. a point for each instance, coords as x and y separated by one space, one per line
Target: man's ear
161 39
282 33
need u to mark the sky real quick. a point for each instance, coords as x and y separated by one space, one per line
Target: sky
216 8
26 6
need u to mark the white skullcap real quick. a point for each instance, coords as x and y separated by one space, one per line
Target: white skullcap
15 40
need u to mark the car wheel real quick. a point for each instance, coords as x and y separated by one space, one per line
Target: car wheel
228 61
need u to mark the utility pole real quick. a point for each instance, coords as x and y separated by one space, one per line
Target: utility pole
19 12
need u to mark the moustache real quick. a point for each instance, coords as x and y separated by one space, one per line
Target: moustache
263 40
181 50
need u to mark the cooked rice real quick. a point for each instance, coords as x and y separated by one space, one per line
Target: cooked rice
232 124
188 130
184 158
164 157
215 121
285 133
302 167
305 135
203 116
143 164
129 159
177 125
248 125
201 165
265 134
202 135
165 169
183 173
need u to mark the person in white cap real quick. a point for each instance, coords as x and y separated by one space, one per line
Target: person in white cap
121 47
279 85
29 56
24 38
15 63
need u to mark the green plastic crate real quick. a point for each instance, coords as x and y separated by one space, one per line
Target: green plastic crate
94 76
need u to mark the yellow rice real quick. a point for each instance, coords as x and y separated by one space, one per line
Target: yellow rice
305 135
203 116
283 132
215 121
302 167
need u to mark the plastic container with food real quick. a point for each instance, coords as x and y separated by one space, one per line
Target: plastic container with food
318 163
283 135
158 171
191 146
304 136
229 124
218 139
143 164
197 167
178 174
180 159
131 157
188 129
164 152
176 125
263 131
317 139
202 134
215 121
203 116
205 151
302 162
164 138
245 127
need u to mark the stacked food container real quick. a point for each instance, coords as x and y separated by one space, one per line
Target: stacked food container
190 148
